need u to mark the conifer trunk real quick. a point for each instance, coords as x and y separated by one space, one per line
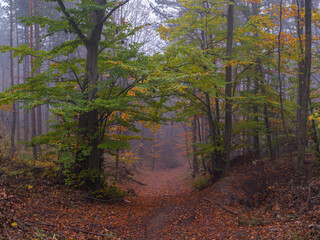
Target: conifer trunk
37 35
26 116
13 126
18 82
33 111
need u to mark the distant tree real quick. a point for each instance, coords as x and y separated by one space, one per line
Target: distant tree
13 124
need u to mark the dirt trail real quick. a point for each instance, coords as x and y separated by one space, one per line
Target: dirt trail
165 189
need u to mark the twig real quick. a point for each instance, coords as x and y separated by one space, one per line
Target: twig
220 206
92 233
5 228
39 223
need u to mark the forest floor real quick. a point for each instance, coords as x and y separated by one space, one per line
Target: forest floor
254 200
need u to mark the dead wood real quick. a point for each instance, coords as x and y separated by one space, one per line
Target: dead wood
136 181
5 228
93 233
104 200
128 172
29 222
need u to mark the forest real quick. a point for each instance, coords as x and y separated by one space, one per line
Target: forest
159 119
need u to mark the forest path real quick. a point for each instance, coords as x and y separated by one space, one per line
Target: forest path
165 182
165 189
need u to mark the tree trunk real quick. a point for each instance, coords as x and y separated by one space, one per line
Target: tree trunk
256 132
92 128
33 111
299 26
281 93
18 82
201 140
13 124
26 116
228 114
38 71
195 164
314 132
265 111
305 94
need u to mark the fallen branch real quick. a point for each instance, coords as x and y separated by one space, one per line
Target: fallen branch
220 206
104 200
39 223
128 172
136 181
92 233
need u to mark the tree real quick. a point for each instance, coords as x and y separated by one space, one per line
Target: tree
304 93
33 110
13 128
192 60
86 93
228 117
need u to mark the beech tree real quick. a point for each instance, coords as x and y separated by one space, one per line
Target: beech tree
86 93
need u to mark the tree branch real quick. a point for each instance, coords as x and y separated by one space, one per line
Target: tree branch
73 23
136 181
112 11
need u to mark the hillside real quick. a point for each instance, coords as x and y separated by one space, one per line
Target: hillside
254 200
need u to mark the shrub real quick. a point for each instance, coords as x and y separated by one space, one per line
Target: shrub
110 192
201 182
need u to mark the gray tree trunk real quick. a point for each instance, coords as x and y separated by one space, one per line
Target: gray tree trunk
14 116
33 111
228 114
195 164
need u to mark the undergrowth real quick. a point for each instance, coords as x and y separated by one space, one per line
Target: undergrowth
201 182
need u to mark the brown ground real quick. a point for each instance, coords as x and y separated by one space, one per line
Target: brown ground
253 201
